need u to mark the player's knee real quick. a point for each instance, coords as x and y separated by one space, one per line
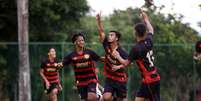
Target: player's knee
140 99
107 97
119 99
91 97
53 97
55 91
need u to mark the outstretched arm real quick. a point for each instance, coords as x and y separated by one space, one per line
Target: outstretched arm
146 21
100 27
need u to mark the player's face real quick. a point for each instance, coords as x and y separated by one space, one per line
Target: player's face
80 42
112 37
52 53
199 56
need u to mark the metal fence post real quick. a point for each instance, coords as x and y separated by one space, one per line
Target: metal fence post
62 55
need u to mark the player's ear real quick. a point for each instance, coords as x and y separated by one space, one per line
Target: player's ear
116 38
74 42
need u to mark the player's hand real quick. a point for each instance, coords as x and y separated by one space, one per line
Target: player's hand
98 17
60 64
75 87
141 10
102 59
149 2
115 53
96 70
47 84
142 13
60 87
197 56
115 68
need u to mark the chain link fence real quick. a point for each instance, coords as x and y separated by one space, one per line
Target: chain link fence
180 74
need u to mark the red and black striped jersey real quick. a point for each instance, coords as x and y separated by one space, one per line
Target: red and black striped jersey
51 71
120 74
84 67
143 54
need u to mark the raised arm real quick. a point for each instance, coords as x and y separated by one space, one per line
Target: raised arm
100 27
146 21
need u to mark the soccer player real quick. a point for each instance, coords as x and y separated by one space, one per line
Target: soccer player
50 75
116 59
83 61
197 55
143 55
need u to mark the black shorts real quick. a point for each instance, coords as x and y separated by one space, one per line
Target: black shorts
52 86
117 88
150 91
84 90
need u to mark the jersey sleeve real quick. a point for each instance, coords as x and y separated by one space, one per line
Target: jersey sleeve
67 60
134 54
148 41
124 54
149 36
43 64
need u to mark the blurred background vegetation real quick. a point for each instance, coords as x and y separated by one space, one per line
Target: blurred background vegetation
52 23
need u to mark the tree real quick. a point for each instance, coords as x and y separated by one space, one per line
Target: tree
23 40
8 20
199 22
55 19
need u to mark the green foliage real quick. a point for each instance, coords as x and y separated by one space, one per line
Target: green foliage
8 20
55 19
49 20
168 29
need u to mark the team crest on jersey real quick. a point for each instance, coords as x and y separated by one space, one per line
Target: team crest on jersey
48 64
86 56
145 42
55 64
74 58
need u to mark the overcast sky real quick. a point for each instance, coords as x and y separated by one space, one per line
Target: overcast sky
188 8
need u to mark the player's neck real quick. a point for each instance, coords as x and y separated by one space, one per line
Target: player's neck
51 59
79 49
140 39
114 45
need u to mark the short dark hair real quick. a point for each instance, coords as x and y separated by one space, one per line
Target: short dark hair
50 49
198 46
74 38
118 34
140 29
